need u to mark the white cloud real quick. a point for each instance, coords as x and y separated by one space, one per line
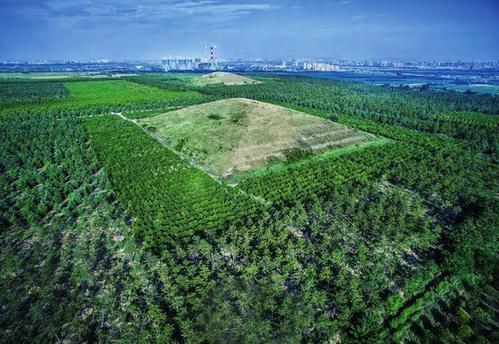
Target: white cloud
145 11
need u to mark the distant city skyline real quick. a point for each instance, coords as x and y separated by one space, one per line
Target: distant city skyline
438 30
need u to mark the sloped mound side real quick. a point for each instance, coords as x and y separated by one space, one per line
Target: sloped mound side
224 78
235 135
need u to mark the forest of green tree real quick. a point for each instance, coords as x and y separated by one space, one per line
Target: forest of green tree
107 235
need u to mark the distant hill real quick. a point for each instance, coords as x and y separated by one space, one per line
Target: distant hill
234 135
224 78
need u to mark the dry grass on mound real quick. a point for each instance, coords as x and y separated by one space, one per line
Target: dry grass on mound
235 135
224 78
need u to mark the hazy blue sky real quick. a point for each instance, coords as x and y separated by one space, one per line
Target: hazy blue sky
356 29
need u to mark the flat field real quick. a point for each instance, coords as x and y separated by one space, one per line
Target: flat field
235 135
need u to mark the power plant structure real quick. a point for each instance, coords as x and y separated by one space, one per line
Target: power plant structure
178 64
209 62
213 58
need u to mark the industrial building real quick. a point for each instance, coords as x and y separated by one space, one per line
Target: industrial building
184 64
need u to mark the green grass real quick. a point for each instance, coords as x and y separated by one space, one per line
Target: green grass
230 136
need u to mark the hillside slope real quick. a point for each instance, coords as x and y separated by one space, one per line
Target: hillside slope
224 78
234 135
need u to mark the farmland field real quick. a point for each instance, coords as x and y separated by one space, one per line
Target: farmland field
154 209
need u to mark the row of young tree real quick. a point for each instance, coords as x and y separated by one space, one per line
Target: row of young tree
69 264
310 252
100 96
131 109
358 248
454 182
362 218
24 93
166 195
459 201
342 95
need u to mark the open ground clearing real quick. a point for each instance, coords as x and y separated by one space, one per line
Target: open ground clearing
235 135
